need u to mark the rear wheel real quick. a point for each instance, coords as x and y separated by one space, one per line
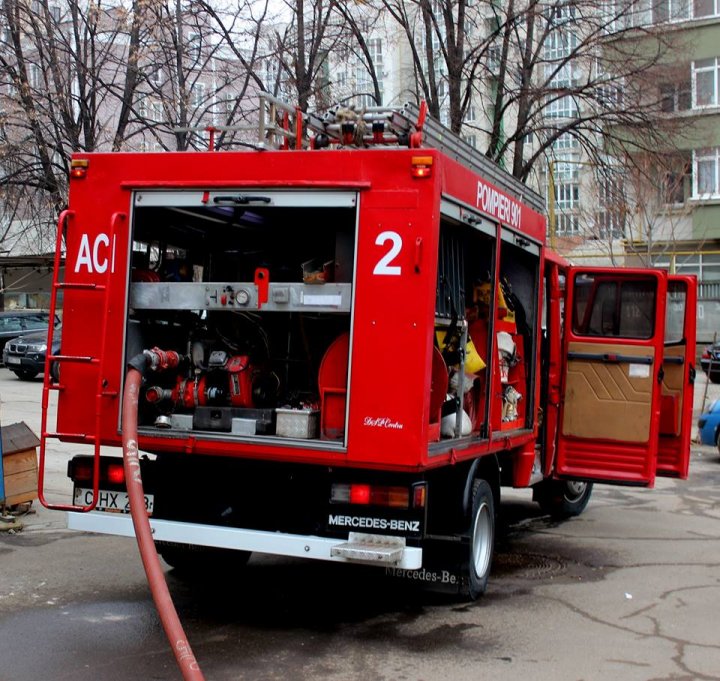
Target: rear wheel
200 560
481 541
563 498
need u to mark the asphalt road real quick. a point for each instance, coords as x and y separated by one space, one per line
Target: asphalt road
627 591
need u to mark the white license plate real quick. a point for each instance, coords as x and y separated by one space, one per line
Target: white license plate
117 502
13 360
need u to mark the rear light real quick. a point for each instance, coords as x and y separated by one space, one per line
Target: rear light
78 168
706 353
370 495
421 166
111 472
115 473
419 495
82 470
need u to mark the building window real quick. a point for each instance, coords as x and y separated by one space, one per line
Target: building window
35 77
672 185
568 224
705 172
562 107
705 82
198 94
705 8
566 141
671 10
194 43
567 195
706 266
560 44
675 97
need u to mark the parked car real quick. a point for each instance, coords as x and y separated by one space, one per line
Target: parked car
709 425
14 323
25 355
710 362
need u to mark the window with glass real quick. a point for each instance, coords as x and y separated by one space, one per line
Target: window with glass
675 96
675 312
562 107
605 305
671 10
560 44
705 172
567 224
705 82
610 224
705 266
706 8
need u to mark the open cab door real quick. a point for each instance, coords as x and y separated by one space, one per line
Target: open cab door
678 377
612 373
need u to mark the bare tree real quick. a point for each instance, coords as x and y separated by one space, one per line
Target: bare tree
57 65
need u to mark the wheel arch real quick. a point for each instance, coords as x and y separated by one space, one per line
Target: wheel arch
486 468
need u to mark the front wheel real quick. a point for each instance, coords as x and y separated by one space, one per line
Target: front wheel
481 541
563 498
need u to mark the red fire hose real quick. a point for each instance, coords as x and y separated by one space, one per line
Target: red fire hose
151 562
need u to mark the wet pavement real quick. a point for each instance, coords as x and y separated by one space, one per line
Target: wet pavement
629 590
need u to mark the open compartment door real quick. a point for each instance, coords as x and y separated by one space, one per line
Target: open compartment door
611 389
678 378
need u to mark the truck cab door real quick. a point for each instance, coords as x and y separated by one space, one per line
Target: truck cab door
678 379
611 375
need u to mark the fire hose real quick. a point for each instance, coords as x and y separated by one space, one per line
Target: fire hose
155 359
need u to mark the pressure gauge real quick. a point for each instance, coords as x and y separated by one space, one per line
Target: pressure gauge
242 297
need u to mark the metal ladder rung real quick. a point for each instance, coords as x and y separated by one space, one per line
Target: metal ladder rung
74 358
72 436
79 286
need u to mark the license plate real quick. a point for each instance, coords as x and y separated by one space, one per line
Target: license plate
114 502
13 360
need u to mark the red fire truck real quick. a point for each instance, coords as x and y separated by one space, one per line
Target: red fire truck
370 339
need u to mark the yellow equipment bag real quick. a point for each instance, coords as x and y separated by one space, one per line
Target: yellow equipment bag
473 362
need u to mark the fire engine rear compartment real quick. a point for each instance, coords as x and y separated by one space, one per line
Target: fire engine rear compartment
255 290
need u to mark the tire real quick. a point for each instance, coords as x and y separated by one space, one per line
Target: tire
202 560
481 534
563 498
25 374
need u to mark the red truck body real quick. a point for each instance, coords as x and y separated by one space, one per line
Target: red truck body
383 324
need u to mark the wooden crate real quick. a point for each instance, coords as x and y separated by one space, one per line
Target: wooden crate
19 463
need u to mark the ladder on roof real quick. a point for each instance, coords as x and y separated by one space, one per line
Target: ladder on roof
101 393
282 126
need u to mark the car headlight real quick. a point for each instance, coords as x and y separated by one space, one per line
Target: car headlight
37 347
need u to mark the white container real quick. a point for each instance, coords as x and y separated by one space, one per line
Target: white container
243 426
181 421
297 423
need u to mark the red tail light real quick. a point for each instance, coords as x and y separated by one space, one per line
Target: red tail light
371 495
115 473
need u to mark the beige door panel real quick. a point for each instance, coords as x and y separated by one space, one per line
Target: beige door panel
609 400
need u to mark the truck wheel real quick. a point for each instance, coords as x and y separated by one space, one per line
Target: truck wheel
201 560
563 498
482 539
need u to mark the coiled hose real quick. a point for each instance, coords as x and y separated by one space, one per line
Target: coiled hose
143 533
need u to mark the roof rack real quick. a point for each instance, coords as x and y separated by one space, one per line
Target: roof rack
282 126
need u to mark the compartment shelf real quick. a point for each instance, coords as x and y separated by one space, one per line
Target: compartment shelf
282 296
